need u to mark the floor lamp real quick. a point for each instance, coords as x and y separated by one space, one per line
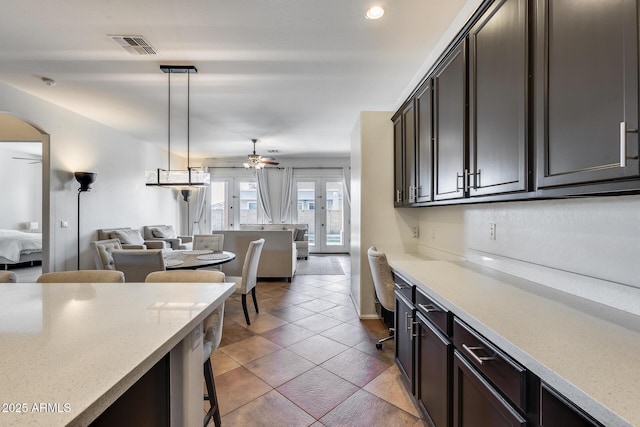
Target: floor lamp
85 179
185 195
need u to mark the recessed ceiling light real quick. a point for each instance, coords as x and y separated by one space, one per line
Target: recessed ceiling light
375 12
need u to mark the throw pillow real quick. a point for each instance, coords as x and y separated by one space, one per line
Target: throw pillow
163 232
127 237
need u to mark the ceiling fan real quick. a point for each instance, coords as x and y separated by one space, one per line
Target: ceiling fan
256 161
31 160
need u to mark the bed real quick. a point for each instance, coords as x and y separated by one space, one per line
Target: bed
17 247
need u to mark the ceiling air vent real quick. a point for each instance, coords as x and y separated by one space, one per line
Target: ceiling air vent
135 45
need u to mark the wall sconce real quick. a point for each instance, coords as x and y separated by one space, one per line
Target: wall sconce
85 179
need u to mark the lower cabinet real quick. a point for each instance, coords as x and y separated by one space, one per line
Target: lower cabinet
555 411
475 401
434 353
403 337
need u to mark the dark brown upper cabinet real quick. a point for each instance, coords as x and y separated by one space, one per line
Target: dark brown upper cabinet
409 140
449 123
586 91
498 88
424 143
398 161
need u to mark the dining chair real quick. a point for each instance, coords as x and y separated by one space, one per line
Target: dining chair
103 253
247 283
8 277
212 330
82 276
136 264
213 242
383 284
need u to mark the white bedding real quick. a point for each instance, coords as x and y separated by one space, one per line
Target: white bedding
13 243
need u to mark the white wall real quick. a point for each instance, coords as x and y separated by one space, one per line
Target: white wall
581 241
21 184
119 196
375 222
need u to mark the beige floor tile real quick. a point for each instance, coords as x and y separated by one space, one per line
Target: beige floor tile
238 387
317 323
293 313
263 322
389 386
346 334
356 366
269 410
222 363
279 367
363 409
317 391
249 349
287 335
318 349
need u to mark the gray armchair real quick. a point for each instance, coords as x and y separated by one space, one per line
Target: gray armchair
166 233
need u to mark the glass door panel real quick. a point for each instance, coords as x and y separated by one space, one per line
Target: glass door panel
334 235
248 202
219 205
306 208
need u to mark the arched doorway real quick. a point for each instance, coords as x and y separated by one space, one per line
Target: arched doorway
14 129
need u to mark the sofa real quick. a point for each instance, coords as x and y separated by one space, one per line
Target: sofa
166 233
279 254
300 234
130 238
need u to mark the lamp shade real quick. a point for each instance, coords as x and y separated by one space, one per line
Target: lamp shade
85 179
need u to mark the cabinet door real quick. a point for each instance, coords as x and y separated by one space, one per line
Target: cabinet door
586 91
449 114
409 140
498 74
476 403
433 368
424 143
403 338
398 161
555 411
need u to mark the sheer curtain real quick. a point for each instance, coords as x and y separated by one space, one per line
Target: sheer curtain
198 217
287 193
346 181
263 194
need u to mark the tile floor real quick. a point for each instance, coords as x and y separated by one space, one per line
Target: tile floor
308 360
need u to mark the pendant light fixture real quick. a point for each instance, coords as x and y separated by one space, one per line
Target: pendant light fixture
191 177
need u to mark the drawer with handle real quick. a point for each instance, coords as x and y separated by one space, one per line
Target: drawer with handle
505 374
404 288
438 315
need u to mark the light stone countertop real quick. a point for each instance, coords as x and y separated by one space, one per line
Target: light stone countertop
78 347
587 351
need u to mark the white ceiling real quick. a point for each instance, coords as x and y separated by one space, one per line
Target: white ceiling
293 73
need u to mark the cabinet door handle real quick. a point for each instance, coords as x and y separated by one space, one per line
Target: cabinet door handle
407 322
398 196
479 359
413 334
428 308
417 192
623 144
411 193
458 177
401 286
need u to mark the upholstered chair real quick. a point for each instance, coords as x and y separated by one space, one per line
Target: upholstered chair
212 329
8 277
136 264
103 253
383 283
212 242
83 276
247 283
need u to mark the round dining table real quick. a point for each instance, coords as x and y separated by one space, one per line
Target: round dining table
193 259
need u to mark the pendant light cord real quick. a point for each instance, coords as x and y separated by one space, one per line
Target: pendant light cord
169 127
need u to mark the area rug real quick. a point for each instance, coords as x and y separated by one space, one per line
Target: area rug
319 265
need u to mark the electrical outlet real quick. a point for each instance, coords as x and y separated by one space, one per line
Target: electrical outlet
492 231
416 232
433 234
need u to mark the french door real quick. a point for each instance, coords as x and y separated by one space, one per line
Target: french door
320 203
234 201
